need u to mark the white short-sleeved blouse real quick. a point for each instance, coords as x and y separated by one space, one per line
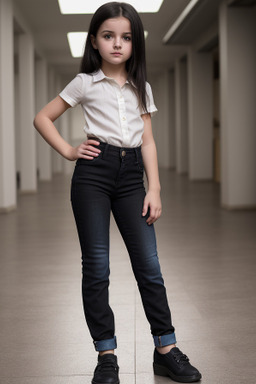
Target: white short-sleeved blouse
111 112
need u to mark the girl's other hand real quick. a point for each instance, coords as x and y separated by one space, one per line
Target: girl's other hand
86 150
152 202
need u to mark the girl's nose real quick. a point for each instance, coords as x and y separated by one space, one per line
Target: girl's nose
117 43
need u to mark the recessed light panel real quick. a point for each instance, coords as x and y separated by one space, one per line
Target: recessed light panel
76 42
83 6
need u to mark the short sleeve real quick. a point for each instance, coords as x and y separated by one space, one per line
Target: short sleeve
73 93
151 108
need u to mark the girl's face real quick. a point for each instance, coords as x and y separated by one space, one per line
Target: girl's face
114 40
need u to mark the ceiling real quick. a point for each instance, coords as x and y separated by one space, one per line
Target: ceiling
50 28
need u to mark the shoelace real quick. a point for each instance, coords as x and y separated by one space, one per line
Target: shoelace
181 358
106 365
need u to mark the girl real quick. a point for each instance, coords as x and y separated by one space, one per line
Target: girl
117 103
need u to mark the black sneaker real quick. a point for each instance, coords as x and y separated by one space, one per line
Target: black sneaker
106 371
175 365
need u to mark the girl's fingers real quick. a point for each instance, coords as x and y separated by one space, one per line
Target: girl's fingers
91 141
91 144
152 203
145 209
91 148
90 153
154 215
86 157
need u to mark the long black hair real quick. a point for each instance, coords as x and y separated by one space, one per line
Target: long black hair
136 65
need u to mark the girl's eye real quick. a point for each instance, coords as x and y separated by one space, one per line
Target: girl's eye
107 37
127 38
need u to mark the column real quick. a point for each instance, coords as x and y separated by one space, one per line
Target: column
161 121
56 157
200 115
237 33
181 116
44 159
27 114
7 142
51 96
65 132
172 133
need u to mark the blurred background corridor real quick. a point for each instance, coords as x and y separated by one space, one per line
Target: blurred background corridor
201 60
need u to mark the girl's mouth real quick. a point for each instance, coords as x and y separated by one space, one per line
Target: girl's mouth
116 54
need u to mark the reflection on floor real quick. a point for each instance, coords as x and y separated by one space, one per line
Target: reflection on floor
208 259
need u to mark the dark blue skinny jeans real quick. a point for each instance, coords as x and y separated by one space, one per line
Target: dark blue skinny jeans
113 181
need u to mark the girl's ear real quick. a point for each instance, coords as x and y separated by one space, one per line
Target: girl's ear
93 41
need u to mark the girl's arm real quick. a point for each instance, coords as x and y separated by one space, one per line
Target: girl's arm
152 199
43 122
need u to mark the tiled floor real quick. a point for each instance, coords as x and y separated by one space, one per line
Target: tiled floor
208 259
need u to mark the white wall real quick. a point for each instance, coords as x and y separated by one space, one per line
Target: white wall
17 123
160 83
27 113
7 139
172 133
200 115
238 112
77 122
181 116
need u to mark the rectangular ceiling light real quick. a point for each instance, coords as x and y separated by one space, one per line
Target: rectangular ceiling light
76 41
83 6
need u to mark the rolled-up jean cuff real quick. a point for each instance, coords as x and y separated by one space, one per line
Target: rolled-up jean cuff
162 341
105 345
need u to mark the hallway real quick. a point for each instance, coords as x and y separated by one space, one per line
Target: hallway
208 261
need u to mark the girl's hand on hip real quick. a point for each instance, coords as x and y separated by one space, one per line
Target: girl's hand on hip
152 202
86 150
